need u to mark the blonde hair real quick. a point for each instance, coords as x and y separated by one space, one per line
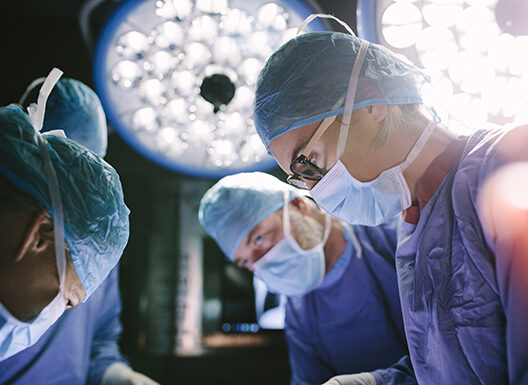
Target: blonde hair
398 115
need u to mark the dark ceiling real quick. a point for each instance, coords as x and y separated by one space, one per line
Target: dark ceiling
37 35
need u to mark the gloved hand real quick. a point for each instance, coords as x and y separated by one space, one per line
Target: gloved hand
352 379
120 374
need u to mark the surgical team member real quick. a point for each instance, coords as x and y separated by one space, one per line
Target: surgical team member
82 346
343 117
343 311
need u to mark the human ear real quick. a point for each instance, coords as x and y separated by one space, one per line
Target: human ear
377 112
38 237
300 204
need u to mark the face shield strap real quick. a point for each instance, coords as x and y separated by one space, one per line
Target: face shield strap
314 16
36 114
351 93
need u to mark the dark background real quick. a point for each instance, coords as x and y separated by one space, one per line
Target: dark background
37 35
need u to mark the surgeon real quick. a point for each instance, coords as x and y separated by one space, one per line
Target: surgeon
81 347
343 311
345 118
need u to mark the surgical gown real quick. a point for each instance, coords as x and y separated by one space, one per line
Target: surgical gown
77 349
464 306
352 322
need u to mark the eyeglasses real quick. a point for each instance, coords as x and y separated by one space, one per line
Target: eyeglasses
304 168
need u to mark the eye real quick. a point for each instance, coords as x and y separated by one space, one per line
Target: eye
259 240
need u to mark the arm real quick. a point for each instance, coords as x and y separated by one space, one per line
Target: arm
306 364
400 373
107 365
504 220
105 348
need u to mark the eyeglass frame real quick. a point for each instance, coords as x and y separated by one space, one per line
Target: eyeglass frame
295 179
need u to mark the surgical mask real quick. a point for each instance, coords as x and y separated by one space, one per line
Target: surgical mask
367 203
16 335
287 268
364 203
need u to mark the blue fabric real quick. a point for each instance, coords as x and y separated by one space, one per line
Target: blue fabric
75 108
77 349
465 317
95 214
237 203
352 322
307 79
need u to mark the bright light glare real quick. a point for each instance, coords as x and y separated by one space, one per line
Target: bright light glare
145 118
196 55
402 22
203 28
132 44
441 15
226 50
222 152
168 35
249 69
174 111
152 90
160 63
237 22
436 46
272 15
170 9
184 82
212 6
126 73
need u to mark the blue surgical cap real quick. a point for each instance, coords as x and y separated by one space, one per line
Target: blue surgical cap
95 215
237 203
306 81
75 108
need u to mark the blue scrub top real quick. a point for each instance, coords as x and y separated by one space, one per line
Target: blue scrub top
352 322
464 294
77 349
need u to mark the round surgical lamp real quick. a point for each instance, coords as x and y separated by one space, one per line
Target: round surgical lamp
476 52
177 78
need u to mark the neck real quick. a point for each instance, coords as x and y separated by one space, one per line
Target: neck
335 245
438 142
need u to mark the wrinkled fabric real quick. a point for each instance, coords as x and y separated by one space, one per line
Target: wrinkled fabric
352 322
75 108
465 317
95 215
306 80
77 349
237 203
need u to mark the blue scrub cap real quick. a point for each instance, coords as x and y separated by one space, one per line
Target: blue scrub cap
75 108
306 81
95 215
237 203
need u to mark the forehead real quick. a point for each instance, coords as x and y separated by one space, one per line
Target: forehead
287 146
271 223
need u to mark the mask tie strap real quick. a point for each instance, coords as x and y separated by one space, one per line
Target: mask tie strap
354 239
286 215
36 114
314 16
351 94
418 146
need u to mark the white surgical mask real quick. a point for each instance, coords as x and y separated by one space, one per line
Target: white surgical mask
367 203
16 335
288 269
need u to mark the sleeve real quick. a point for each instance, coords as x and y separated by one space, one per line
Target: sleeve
506 228
401 373
105 349
306 364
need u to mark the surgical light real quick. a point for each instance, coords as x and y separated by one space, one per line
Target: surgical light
177 78
476 52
